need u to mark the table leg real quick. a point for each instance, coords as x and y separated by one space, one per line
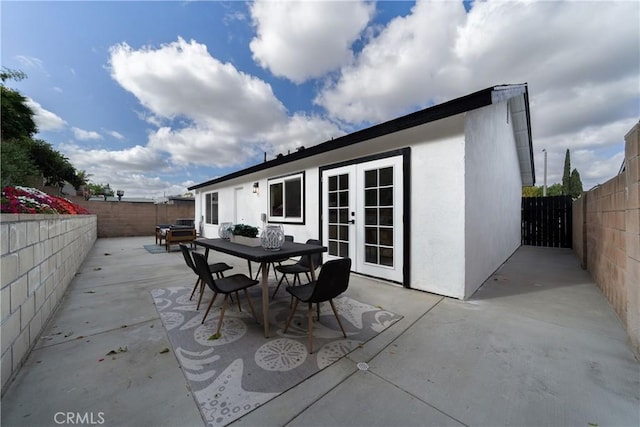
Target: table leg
265 299
206 253
312 268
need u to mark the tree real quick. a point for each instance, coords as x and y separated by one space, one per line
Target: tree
16 165
17 117
553 190
99 189
22 155
575 184
566 175
532 191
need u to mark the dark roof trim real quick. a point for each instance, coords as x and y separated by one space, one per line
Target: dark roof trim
450 108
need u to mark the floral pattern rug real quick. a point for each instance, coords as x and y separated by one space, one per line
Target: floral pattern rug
241 370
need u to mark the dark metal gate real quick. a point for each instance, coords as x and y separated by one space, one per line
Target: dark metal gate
546 221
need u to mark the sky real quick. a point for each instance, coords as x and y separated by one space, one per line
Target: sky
154 97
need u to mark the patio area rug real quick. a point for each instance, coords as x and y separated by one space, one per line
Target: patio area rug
232 375
161 249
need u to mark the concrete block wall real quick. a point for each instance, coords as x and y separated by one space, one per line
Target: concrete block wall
123 219
40 255
607 238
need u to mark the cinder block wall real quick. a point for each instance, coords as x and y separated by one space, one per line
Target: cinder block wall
123 219
607 238
40 255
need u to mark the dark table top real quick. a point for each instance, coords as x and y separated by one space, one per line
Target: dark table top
259 254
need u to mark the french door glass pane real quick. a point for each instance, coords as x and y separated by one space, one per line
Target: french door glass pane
339 215
333 200
386 256
344 182
386 196
344 250
371 179
371 254
386 176
386 216
333 232
378 216
371 216
344 216
386 236
371 197
344 232
333 183
333 248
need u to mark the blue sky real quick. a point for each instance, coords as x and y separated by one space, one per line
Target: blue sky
152 97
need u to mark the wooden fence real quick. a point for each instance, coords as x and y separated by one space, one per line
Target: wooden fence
547 221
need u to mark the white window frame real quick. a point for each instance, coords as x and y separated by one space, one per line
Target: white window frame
210 205
283 180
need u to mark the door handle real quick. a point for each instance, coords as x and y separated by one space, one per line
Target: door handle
352 221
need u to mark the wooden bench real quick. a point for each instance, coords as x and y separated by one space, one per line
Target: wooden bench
175 236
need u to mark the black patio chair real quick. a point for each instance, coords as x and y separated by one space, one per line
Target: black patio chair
302 266
332 281
217 268
225 285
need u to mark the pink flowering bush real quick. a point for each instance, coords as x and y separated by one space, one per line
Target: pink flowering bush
29 200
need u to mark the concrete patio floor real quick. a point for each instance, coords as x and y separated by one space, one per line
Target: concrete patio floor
538 344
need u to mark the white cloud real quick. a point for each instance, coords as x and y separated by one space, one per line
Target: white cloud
32 62
135 170
85 135
225 117
44 119
579 58
303 40
116 135
401 69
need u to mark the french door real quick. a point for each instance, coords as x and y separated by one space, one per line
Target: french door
362 216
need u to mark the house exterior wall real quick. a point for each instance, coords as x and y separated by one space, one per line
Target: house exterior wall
441 153
493 190
437 216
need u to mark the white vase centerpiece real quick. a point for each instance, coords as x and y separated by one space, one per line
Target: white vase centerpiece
224 230
272 237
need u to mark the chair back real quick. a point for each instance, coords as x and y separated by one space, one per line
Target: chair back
317 258
202 269
187 257
332 280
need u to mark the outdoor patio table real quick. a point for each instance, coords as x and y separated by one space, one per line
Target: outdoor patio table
264 257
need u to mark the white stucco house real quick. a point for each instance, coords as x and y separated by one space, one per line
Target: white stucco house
430 200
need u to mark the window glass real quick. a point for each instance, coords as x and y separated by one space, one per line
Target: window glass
275 197
211 208
293 198
286 202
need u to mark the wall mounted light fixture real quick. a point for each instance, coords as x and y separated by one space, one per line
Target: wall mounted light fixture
256 187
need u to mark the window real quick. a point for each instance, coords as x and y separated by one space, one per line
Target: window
211 208
286 199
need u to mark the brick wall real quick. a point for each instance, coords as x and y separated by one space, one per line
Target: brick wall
122 219
40 255
606 238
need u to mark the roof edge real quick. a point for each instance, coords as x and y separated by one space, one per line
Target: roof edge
469 102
